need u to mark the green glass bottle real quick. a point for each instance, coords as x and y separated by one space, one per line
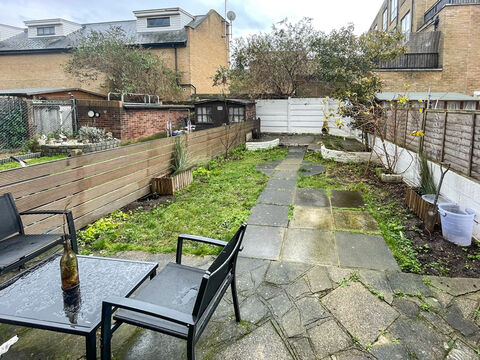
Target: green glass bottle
69 267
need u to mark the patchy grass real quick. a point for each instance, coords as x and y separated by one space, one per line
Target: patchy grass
214 205
382 203
341 143
14 164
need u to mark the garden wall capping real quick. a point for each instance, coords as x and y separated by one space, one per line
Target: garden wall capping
59 149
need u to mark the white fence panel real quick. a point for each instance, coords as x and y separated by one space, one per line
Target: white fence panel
300 116
273 115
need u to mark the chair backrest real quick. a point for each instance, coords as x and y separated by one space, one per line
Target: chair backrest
223 266
10 222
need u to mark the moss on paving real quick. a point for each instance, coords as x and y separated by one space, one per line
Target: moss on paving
389 214
214 205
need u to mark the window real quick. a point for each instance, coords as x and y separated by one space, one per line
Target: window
204 115
45 30
158 22
384 20
453 105
236 114
469 105
393 9
406 23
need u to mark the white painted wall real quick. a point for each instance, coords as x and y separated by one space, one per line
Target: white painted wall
458 188
300 116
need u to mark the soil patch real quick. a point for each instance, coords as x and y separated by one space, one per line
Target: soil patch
341 143
436 255
148 202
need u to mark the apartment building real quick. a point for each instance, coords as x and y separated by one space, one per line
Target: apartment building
443 41
194 45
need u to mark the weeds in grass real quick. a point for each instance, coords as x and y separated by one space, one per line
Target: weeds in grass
14 164
214 205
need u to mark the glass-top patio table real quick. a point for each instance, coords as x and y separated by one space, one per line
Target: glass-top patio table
35 299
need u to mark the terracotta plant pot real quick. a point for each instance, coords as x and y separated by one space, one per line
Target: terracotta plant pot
167 185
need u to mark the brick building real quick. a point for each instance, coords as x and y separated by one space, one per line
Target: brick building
196 46
443 41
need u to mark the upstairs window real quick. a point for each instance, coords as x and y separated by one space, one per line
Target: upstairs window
45 30
384 20
393 9
236 114
204 115
158 22
406 23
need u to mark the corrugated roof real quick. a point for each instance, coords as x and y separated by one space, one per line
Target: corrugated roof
434 96
21 42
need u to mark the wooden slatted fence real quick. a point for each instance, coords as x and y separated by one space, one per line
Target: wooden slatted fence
95 184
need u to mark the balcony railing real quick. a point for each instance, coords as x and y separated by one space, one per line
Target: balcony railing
412 61
440 4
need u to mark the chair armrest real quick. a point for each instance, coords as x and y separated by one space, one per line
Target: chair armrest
71 225
196 238
145 308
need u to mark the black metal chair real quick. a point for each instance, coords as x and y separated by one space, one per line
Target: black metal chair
180 300
16 248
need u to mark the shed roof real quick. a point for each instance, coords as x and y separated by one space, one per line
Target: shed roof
229 101
424 96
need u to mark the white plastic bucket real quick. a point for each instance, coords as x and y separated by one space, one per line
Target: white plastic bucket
457 223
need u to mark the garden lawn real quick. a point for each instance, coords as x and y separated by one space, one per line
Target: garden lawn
14 164
214 205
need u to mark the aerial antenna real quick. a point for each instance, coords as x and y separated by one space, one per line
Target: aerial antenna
231 16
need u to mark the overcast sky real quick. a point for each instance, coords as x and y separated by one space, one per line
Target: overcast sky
252 15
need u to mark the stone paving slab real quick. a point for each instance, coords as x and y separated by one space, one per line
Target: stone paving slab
287 167
296 161
269 215
328 338
359 311
364 251
354 220
268 165
310 168
263 242
277 196
347 199
410 284
267 172
295 155
311 198
285 174
281 184
313 218
309 246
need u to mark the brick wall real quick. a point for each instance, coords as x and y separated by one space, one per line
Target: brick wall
129 124
459 56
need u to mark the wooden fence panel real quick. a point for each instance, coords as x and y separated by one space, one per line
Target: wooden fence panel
95 184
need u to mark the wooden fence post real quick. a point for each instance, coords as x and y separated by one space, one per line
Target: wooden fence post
422 138
444 135
472 143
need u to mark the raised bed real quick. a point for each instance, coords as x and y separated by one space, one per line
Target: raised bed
167 185
419 206
257 145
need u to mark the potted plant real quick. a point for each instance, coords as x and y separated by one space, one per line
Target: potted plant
181 174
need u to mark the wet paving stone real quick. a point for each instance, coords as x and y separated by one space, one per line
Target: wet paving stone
359 311
318 279
311 198
328 338
364 251
287 167
309 246
277 197
354 220
377 280
283 273
285 174
269 215
312 218
281 184
263 242
410 284
347 199
311 310
309 168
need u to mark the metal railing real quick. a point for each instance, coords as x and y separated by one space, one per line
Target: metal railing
147 99
412 61
440 4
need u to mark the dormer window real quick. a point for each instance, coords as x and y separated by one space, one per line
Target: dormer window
45 30
158 22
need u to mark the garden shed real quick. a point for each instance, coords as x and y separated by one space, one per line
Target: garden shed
216 112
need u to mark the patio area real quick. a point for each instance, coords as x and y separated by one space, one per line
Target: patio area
316 280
